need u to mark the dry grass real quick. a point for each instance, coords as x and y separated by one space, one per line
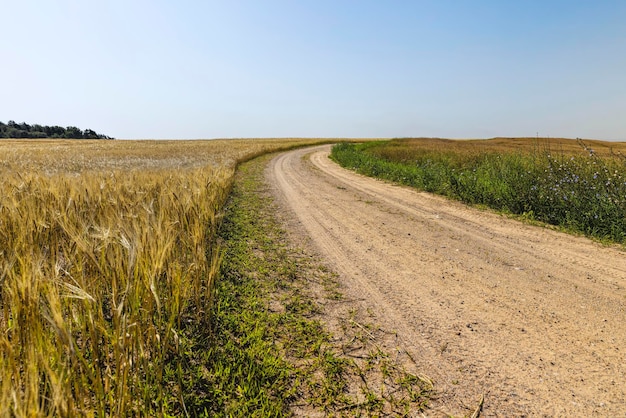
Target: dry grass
106 250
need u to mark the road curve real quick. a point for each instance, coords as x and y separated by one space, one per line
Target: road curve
531 318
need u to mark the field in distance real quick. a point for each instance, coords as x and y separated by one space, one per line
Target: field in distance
79 156
523 144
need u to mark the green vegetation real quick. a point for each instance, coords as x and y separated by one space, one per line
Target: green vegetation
238 369
570 187
24 130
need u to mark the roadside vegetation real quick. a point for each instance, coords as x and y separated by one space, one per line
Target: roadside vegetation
574 184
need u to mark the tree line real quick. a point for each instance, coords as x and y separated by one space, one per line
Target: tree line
24 130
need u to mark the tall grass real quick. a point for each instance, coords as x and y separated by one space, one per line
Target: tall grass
107 253
577 190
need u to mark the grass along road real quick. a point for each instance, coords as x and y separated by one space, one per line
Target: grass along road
526 316
272 351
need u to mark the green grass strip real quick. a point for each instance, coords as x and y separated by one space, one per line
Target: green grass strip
263 350
233 367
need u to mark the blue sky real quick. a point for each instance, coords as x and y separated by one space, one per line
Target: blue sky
342 68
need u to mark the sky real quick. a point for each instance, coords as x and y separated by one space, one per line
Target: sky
193 69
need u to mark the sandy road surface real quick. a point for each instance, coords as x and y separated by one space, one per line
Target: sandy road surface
533 319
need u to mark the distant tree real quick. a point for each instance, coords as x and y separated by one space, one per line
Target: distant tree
89 134
72 132
51 131
13 133
24 130
38 134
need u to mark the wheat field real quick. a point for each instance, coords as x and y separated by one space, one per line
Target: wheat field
107 248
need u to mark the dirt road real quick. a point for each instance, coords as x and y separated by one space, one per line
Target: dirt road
533 319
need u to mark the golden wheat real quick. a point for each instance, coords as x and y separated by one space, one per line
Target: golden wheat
104 247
